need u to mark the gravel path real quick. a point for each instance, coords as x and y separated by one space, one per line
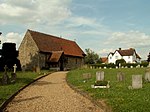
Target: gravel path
51 94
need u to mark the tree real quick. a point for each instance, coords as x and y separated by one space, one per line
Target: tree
148 59
91 57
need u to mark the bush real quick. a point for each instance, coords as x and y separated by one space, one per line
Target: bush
144 64
122 61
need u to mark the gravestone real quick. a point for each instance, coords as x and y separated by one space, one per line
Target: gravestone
23 68
116 67
136 81
5 77
131 66
138 66
100 76
119 65
120 76
13 75
105 67
147 75
86 76
38 70
126 67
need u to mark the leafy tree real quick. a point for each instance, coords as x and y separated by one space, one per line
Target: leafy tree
148 59
91 57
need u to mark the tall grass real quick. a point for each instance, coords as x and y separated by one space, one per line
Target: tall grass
118 96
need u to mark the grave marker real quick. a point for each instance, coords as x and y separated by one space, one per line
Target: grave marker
147 76
120 76
5 77
100 76
136 81
86 76
13 75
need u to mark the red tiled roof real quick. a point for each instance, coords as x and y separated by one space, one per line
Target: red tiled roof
104 60
128 52
55 56
49 43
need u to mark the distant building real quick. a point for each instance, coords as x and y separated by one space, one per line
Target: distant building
47 51
104 59
129 55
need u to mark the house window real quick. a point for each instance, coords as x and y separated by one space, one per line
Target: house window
128 57
116 57
110 57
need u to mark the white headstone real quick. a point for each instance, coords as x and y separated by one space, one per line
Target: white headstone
119 65
136 81
116 67
105 67
126 67
131 66
147 76
15 67
100 76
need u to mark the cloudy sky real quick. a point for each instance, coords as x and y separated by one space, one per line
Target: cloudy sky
101 25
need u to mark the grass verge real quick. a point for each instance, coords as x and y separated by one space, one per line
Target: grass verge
119 97
23 78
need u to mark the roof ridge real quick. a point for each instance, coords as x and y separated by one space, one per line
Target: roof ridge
50 35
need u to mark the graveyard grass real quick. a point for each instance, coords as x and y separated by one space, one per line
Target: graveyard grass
118 96
23 78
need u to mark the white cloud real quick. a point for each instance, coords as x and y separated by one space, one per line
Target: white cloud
129 39
35 11
13 38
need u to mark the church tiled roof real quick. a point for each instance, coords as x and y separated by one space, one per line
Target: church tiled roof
49 43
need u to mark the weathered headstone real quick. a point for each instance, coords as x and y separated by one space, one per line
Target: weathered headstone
23 68
126 67
5 77
147 75
116 67
15 67
119 65
138 66
136 81
148 64
120 76
38 70
100 76
86 76
105 67
131 66
13 75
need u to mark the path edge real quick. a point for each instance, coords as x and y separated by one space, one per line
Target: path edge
5 103
85 94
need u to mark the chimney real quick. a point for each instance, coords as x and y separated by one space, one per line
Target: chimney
119 48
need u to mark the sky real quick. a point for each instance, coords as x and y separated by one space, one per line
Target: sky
101 25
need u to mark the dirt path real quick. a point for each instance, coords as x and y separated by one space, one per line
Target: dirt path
51 94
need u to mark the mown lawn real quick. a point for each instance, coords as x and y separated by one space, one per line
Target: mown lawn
118 97
23 78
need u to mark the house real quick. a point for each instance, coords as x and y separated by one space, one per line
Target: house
129 55
47 51
104 60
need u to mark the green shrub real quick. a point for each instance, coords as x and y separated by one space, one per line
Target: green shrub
121 61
